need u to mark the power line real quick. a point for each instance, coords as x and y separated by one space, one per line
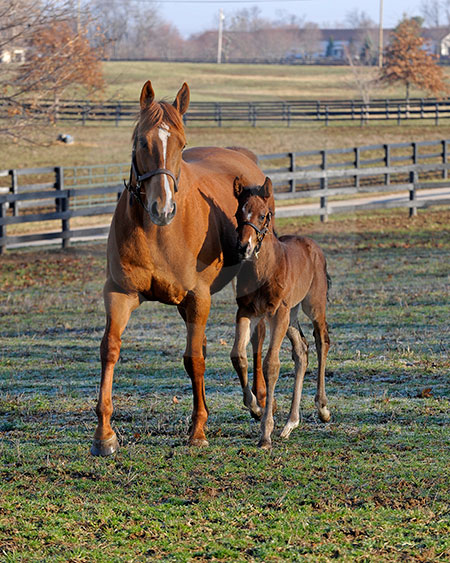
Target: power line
220 1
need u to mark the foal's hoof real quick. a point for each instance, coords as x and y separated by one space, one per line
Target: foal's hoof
324 414
265 444
105 447
198 442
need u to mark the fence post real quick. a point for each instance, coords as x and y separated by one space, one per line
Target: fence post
289 115
326 115
218 116
444 159
62 206
357 165
436 119
118 113
324 186
14 189
387 109
387 163
398 113
292 169
2 229
412 192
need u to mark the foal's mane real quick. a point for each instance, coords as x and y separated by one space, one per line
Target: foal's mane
154 114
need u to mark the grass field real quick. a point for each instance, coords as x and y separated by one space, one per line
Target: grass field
372 485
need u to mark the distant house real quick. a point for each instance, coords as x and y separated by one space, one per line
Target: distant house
12 55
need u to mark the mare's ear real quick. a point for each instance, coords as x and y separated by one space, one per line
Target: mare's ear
147 95
238 188
266 188
181 102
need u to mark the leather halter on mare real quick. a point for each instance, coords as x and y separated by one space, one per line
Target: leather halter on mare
135 191
260 233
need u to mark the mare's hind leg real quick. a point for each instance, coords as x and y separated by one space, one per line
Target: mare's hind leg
315 309
300 357
119 306
195 311
239 359
257 341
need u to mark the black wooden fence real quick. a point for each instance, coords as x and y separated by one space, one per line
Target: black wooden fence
251 113
64 194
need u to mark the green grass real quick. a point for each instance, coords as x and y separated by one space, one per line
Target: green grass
238 82
372 485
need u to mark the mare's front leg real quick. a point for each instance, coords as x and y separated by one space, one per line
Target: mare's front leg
195 311
278 326
239 359
119 306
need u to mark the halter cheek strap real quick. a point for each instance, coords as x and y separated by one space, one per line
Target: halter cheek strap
260 233
136 190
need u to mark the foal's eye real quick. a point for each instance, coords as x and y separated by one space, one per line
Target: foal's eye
262 217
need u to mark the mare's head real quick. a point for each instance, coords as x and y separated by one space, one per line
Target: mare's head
158 142
254 214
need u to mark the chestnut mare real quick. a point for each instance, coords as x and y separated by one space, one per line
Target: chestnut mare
277 276
172 239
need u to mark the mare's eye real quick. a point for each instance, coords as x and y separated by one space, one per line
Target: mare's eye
262 217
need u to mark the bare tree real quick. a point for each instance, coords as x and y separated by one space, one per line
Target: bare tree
58 55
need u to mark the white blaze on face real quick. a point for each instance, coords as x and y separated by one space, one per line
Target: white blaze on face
247 214
163 134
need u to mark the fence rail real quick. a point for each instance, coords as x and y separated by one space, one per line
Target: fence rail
250 113
62 194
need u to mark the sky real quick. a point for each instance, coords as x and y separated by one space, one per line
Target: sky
196 16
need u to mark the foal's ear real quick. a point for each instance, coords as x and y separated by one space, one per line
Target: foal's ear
266 188
181 102
147 95
238 188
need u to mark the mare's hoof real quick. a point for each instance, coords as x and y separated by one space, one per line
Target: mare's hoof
198 442
265 444
105 447
324 414
256 415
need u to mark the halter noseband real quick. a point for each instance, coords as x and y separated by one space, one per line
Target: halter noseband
136 190
260 233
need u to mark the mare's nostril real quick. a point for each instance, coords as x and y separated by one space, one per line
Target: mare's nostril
154 209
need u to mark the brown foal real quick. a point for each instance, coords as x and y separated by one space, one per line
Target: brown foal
277 275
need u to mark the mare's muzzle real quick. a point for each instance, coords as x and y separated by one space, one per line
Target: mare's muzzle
161 218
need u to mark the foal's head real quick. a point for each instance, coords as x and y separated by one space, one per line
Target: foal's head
254 214
158 142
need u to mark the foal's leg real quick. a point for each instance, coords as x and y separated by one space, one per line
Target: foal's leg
300 357
195 313
315 309
119 306
239 359
279 324
259 385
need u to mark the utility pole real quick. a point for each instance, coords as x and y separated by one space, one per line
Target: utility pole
219 42
380 37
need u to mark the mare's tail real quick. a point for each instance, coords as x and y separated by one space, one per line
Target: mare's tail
328 282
